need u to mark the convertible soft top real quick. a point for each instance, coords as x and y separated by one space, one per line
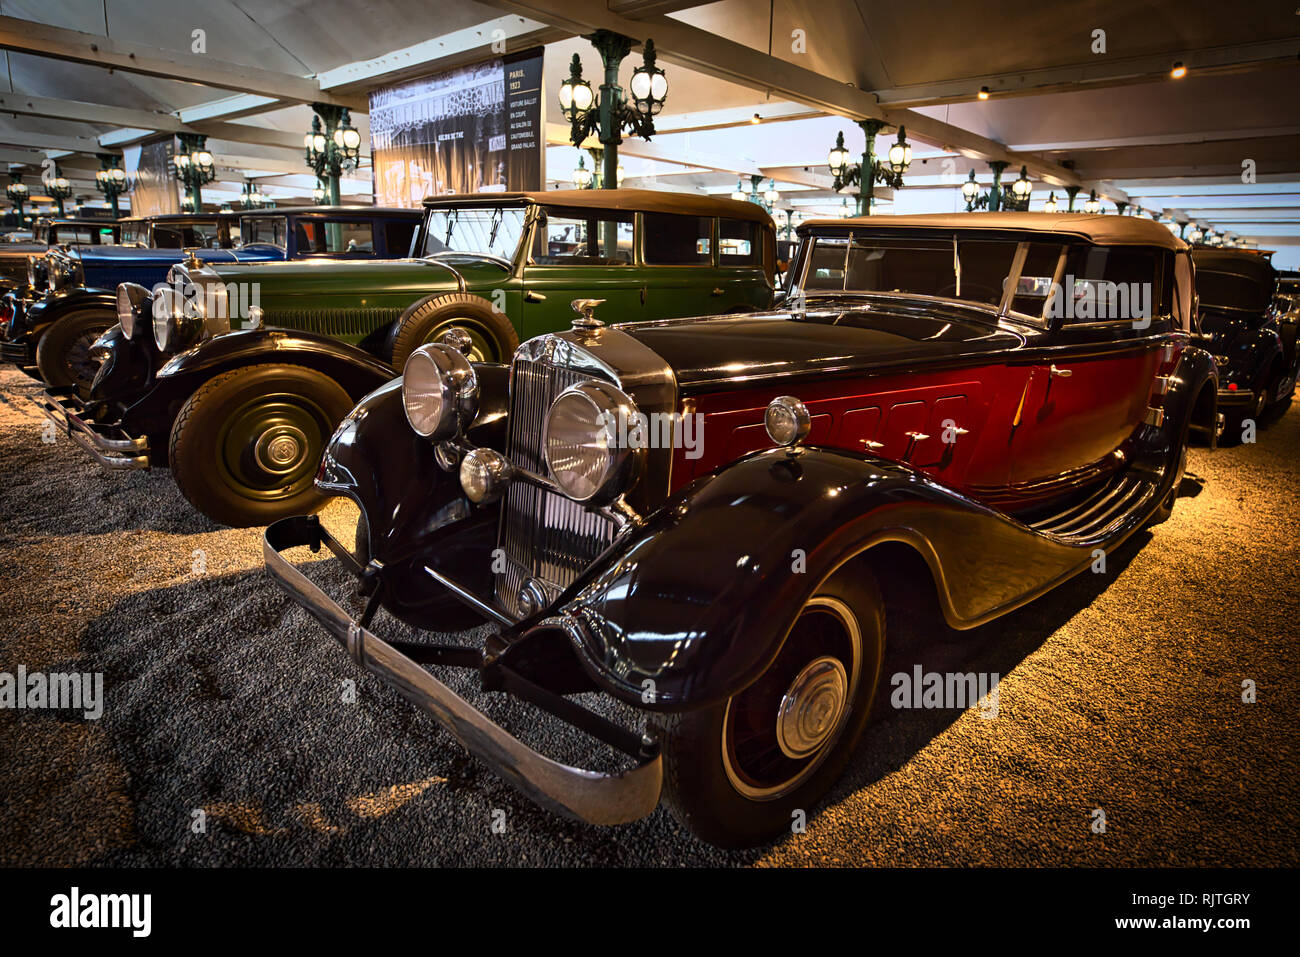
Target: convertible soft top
1100 229
636 200
1238 262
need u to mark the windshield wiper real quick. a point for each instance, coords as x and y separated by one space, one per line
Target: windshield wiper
497 217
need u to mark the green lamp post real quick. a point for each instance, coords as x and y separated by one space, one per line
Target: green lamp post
332 149
111 181
17 192
193 166
59 189
871 170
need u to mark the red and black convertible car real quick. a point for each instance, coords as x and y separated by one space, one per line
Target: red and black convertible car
699 517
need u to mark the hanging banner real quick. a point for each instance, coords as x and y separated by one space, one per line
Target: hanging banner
470 130
154 190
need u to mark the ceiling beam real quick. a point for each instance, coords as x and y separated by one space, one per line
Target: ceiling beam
229 108
1100 71
716 56
441 53
39 39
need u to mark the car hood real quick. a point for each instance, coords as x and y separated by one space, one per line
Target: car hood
835 336
357 275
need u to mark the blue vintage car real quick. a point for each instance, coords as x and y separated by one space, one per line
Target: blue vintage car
48 329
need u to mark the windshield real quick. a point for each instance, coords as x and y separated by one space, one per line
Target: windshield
494 230
269 230
973 270
1219 290
135 234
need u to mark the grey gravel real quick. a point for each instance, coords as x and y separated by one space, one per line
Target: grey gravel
1120 692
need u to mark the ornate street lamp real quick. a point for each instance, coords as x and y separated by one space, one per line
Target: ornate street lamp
332 149
739 194
59 189
582 178
609 114
318 193
1093 205
1195 235
17 192
1050 205
999 197
770 195
251 197
111 181
870 170
194 166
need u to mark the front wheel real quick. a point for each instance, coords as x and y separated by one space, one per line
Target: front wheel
63 356
737 773
245 446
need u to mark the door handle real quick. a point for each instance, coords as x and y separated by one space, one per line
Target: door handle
643 295
717 291
531 296
1061 373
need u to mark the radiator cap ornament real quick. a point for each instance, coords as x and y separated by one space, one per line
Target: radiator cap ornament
586 321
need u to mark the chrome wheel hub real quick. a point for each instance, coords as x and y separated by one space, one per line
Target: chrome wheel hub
281 448
811 709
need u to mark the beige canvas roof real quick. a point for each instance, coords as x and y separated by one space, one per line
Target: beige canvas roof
635 200
1094 227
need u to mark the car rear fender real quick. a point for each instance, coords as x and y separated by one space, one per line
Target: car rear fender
53 308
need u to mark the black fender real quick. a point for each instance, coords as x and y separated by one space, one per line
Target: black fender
126 371
355 371
698 599
41 315
413 510
1192 401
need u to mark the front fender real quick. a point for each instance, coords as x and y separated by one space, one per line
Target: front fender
126 371
40 315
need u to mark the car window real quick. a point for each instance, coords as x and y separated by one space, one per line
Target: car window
334 236
1105 284
204 235
1037 274
584 237
489 230
271 230
739 243
135 234
1229 290
673 240
398 234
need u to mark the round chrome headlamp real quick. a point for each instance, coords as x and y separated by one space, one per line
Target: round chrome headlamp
36 271
787 420
439 391
177 322
132 301
594 442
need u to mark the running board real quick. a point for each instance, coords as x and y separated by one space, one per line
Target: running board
1093 517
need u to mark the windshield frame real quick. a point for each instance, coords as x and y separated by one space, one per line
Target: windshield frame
516 260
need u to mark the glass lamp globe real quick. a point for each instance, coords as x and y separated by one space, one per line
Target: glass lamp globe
970 187
1050 205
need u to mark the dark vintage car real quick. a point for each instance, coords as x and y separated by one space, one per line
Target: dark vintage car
240 404
1252 332
80 302
47 233
720 521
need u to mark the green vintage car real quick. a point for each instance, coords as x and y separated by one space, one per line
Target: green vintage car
235 375
504 267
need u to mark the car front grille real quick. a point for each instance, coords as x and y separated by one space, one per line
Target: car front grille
545 537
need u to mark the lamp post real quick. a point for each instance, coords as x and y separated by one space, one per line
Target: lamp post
1016 196
59 189
1093 205
1071 191
1050 205
111 181
318 193
870 170
333 149
17 193
194 166
594 178
251 197
1120 207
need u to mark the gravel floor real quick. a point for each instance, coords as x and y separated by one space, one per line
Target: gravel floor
226 737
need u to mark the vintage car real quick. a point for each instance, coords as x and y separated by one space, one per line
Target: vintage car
720 521
240 405
1252 332
47 233
80 302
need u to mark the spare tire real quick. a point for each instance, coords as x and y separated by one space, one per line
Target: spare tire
493 337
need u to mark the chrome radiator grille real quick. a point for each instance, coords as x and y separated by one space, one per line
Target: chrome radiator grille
544 536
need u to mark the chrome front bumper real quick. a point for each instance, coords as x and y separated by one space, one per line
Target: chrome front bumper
590 796
107 444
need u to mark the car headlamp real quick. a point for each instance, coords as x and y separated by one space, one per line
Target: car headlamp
594 442
439 391
177 319
132 307
787 420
